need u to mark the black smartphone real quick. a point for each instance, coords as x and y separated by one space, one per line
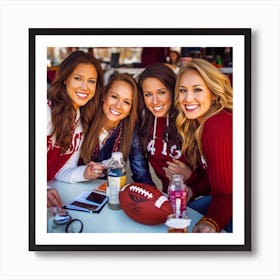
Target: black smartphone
89 207
96 197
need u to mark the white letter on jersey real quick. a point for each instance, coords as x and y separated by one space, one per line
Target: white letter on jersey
151 147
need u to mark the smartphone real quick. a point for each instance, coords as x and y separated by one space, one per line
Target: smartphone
84 205
96 197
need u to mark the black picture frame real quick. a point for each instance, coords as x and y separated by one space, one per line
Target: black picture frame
242 34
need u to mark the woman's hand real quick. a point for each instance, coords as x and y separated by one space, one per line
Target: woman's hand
203 227
93 170
177 167
53 198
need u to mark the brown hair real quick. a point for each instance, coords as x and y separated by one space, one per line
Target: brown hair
63 111
91 139
167 76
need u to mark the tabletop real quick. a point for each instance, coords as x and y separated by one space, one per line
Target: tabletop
107 220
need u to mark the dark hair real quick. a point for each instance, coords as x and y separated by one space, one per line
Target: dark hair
128 123
167 76
63 111
177 55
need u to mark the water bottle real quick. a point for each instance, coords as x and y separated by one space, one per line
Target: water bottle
116 179
177 190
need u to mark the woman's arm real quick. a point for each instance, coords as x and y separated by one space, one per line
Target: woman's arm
70 171
217 148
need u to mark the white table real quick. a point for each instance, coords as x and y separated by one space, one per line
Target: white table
108 220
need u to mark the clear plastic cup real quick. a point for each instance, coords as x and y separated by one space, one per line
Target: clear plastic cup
177 224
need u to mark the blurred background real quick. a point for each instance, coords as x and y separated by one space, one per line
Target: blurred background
133 60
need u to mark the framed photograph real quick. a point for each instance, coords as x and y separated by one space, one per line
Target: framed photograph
130 51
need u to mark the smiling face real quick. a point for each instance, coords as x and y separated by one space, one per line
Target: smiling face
117 103
194 95
157 97
81 84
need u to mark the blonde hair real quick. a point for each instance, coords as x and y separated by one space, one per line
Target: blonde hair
190 130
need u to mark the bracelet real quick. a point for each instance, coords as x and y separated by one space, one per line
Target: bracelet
210 222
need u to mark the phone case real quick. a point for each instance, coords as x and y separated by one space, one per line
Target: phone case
82 203
96 197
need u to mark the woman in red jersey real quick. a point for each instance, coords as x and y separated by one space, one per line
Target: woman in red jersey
203 97
157 130
72 102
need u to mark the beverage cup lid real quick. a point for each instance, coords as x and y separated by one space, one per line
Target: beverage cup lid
178 223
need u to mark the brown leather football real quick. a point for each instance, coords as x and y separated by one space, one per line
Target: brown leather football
144 204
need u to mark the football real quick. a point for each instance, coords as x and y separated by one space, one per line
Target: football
144 204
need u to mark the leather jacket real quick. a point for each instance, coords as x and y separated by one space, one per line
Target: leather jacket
138 163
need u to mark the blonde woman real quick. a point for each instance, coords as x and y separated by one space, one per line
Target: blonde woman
203 97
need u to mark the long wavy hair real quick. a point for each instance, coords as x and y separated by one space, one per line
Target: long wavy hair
219 85
128 123
146 118
63 111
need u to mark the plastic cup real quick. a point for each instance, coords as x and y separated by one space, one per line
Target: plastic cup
177 224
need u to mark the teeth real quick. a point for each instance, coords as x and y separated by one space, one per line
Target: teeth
81 95
157 108
191 107
114 112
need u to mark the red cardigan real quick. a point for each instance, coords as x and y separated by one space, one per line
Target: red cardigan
216 142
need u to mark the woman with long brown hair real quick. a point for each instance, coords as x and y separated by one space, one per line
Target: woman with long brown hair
73 99
158 134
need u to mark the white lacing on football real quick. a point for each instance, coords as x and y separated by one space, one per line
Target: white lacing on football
141 191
